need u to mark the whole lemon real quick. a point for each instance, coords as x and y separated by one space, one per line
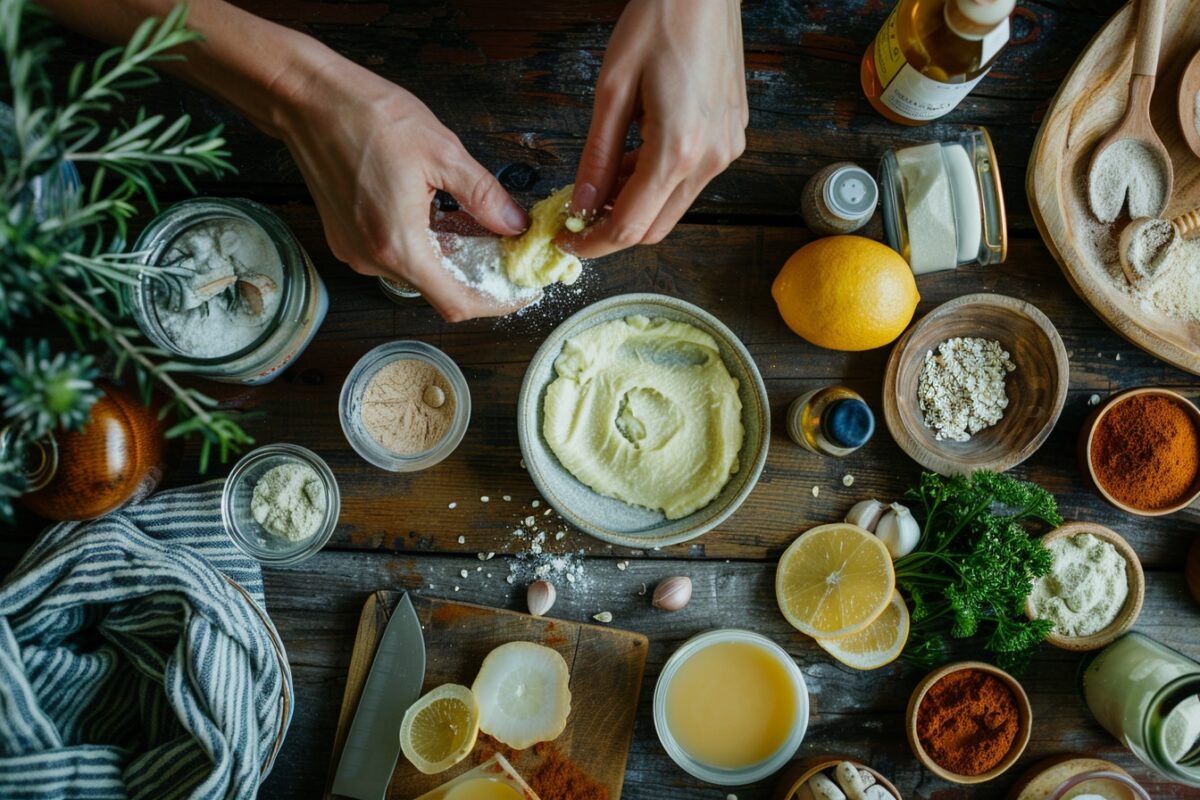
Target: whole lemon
846 293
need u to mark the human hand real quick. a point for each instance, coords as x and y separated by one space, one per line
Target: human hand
676 67
373 155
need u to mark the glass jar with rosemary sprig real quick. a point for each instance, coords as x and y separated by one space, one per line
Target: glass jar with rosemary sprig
228 290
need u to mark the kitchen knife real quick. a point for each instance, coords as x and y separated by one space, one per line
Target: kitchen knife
393 684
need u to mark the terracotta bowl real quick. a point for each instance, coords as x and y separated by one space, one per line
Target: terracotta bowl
1018 747
798 774
1088 432
1133 604
1036 390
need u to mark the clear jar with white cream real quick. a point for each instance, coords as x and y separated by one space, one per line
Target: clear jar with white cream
227 290
1148 696
942 203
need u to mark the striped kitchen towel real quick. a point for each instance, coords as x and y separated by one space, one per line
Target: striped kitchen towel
136 660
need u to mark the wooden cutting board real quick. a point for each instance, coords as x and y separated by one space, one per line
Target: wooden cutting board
606 667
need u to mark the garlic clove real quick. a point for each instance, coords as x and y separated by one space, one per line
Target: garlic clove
866 514
899 531
540 597
673 594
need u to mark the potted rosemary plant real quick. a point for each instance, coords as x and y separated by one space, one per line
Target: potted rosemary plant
74 168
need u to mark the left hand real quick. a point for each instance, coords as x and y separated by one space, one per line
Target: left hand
676 67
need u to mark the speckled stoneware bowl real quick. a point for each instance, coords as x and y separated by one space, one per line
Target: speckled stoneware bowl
612 520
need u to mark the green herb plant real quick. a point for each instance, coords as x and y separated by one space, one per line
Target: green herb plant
60 244
975 565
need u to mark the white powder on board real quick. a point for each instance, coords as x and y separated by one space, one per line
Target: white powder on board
1127 169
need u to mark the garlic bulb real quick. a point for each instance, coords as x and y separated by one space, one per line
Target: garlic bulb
898 531
540 597
866 514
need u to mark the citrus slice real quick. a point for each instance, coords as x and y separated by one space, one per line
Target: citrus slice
876 645
524 694
834 580
439 729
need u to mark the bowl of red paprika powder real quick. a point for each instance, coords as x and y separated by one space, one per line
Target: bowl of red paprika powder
1140 449
968 722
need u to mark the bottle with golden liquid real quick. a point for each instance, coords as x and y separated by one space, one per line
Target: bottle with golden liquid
930 54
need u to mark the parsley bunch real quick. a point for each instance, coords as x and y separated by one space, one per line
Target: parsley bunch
975 565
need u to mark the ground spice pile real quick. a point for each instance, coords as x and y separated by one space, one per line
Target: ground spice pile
550 774
1146 452
967 721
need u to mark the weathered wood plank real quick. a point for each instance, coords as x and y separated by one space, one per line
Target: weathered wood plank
728 270
515 82
857 714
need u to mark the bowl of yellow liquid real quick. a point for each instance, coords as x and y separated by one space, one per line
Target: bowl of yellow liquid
730 707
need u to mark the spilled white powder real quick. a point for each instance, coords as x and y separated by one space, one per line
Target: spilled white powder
476 262
1127 170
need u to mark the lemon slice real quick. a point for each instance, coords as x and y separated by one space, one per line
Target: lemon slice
876 645
834 580
439 729
524 694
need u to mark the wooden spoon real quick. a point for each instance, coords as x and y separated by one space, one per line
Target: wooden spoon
1150 266
1189 85
1135 124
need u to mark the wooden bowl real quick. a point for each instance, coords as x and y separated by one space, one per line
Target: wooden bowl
1133 603
1036 390
1018 747
1046 776
1088 432
800 771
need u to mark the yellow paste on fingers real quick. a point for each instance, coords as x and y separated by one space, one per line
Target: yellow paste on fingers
533 260
645 411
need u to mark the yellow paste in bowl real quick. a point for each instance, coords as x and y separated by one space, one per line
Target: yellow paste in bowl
532 260
645 411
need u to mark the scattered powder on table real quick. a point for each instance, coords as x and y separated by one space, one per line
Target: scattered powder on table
1127 169
961 388
1146 452
289 501
967 721
1086 588
408 406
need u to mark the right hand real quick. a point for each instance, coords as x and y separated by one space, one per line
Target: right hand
373 155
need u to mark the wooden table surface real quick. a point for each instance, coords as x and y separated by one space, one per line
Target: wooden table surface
515 81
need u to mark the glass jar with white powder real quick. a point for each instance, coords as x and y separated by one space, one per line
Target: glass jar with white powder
228 289
942 203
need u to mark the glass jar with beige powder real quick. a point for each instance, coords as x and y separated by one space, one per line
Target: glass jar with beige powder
405 406
942 204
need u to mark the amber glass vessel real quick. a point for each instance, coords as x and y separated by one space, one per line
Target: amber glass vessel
930 54
113 460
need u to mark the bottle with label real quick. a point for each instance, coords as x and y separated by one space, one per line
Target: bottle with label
930 54
834 421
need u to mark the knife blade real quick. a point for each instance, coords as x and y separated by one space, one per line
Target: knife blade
393 684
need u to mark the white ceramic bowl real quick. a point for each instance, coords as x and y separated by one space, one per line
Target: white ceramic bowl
717 775
612 520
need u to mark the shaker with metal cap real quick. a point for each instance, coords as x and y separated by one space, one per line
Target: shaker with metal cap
840 198
833 421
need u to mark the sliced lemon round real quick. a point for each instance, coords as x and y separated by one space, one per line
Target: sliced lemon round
834 580
524 694
439 730
876 645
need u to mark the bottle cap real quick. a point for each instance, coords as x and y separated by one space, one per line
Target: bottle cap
851 193
848 423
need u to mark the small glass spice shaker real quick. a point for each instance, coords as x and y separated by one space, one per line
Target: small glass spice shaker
833 421
840 198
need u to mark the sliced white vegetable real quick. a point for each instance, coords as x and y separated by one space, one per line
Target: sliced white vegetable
524 694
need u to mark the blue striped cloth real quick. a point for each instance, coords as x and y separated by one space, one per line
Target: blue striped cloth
133 666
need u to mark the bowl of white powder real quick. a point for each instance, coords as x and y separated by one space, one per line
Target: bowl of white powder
1094 590
280 504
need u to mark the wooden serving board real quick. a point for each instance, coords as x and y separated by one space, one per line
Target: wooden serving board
606 667
1089 103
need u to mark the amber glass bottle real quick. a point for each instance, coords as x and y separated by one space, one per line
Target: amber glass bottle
929 54
114 459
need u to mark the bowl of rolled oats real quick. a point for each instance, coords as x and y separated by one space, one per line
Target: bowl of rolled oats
977 383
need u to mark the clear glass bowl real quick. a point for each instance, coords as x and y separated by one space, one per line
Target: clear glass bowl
356 384
250 537
717 775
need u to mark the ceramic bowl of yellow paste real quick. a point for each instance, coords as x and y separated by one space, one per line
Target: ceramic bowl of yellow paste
631 524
